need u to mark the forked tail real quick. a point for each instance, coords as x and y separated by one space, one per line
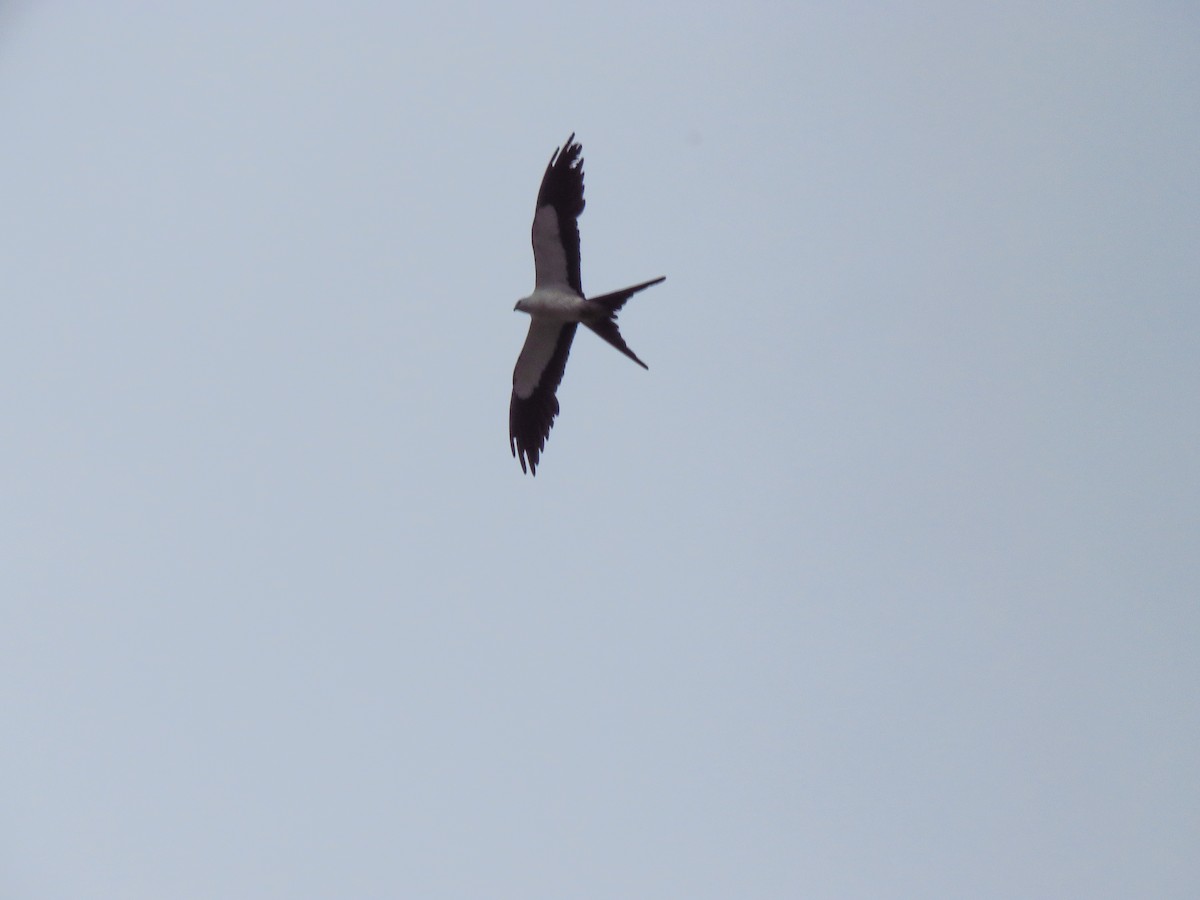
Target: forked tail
607 327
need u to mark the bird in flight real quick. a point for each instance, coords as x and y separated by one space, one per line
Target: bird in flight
556 307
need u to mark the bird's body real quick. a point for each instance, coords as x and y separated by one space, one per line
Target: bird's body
554 302
557 307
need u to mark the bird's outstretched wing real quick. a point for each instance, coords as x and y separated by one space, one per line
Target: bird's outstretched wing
536 378
555 227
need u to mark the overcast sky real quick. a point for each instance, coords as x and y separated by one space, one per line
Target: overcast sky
883 580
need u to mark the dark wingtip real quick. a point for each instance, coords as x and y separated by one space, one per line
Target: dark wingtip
520 457
559 151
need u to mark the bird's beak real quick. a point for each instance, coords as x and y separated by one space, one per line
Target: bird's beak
516 306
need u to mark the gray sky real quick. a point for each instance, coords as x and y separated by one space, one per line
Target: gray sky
882 582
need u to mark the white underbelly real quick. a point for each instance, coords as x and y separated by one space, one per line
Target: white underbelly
559 305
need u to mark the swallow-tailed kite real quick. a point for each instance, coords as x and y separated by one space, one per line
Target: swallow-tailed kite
556 306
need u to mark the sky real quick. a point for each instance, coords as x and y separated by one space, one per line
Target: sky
881 582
